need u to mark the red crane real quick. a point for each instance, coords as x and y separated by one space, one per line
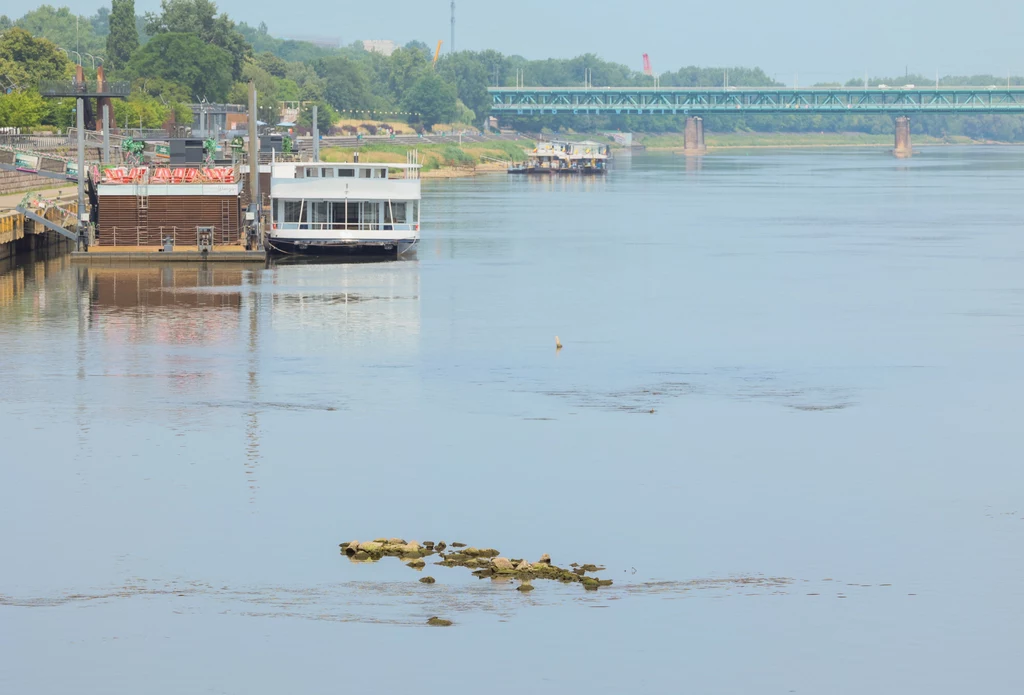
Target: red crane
647 65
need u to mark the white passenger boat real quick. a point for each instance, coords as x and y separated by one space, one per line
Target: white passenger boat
364 208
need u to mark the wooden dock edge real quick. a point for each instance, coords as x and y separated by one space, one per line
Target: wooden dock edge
111 257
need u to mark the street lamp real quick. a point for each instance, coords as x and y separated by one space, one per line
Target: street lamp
93 58
77 54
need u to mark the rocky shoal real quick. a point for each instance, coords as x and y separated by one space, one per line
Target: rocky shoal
485 562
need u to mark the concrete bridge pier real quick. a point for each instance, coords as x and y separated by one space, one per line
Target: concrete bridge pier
903 147
693 136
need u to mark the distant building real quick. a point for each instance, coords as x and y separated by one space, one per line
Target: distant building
382 46
209 120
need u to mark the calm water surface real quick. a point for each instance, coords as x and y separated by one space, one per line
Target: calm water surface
786 418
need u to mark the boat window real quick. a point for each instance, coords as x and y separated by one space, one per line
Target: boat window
365 173
347 172
294 211
327 173
370 214
394 213
320 212
338 213
312 172
383 173
300 173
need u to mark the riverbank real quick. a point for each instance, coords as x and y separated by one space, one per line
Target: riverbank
441 160
449 161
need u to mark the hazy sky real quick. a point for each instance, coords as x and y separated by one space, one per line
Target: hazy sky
819 40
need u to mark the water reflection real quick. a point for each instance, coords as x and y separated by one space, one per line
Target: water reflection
160 341
358 303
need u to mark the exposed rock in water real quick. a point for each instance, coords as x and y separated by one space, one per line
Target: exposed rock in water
502 564
485 562
439 622
477 552
462 560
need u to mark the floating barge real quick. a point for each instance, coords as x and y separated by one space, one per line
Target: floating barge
558 158
169 213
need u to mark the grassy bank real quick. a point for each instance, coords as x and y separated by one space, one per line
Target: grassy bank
433 157
674 141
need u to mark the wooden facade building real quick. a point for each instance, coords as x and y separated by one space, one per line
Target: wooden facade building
145 211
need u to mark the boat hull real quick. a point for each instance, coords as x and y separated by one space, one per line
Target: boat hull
545 171
329 247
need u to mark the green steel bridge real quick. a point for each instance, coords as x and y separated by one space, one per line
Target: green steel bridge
899 101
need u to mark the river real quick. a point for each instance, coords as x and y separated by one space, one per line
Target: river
786 418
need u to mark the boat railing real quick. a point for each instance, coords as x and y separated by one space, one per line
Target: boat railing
347 226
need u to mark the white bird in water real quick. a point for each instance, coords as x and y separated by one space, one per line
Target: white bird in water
558 343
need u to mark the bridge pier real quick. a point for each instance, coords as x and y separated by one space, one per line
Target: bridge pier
903 147
693 136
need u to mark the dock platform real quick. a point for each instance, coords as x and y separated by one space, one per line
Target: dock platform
104 255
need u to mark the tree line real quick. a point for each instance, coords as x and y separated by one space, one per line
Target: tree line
188 51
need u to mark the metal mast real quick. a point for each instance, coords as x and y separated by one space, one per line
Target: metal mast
451 46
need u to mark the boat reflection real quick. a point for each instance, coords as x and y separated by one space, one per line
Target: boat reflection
357 303
168 335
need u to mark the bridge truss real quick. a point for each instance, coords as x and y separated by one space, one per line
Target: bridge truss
901 101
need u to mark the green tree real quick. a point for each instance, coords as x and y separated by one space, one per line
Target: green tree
286 49
468 72
69 31
200 17
26 60
123 39
145 111
325 117
204 69
405 67
345 85
270 92
278 67
435 100
164 90
101 22
21 110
